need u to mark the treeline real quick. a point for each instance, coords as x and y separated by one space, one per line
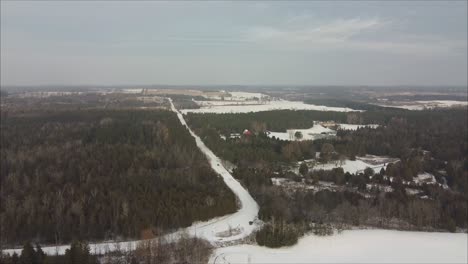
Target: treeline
443 133
102 174
78 253
289 214
426 97
332 102
182 250
78 102
279 120
256 150
182 101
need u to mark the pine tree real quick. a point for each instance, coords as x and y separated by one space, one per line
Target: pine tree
40 255
28 255
303 169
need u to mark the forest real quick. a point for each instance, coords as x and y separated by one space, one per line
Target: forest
102 174
279 120
441 132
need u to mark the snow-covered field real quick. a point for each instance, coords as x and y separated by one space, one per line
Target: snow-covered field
420 105
307 134
355 246
255 106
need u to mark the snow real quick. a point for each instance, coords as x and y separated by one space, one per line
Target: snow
307 134
411 191
351 166
314 132
235 96
425 178
214 230
278 181
246 95
380 187
355 246
248 207
259 107
280 135
293 185
223 103
132 91
355 127
420 105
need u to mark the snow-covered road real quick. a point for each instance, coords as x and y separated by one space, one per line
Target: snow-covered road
243 222
218 231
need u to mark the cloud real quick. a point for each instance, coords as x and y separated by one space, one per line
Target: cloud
336 31
350 34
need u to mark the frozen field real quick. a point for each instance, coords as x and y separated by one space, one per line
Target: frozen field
254 106
356 246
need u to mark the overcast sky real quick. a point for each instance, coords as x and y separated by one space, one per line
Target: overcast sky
265 42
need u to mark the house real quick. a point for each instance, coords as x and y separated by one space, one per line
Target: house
234 135
328 124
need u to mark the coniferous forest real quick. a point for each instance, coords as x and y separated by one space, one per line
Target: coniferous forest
102 174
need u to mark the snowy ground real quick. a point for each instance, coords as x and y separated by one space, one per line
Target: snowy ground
356 246
255 106
307 134
358 165
425 178
289 184
351 166
218 231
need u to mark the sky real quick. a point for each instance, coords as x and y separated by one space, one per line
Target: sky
234 43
